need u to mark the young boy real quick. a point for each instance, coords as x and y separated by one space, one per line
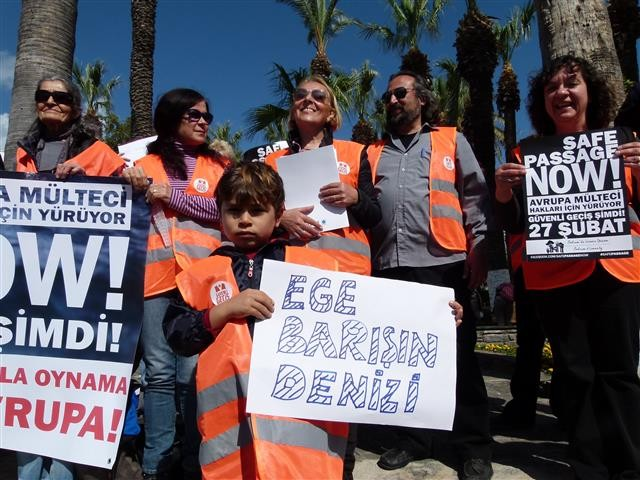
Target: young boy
223 287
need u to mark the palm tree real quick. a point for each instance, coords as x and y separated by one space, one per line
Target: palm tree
271 119
96 94
509 36
412 18
363 96
451 92
323 21
477 56
116 131
562 32
46 42
625 25
143 32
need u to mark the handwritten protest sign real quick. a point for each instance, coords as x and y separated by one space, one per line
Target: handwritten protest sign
576 204
350 348
71 289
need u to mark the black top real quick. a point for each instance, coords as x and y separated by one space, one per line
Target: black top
186 330
78 140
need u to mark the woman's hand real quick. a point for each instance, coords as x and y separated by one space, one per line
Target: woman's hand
136 177
248 303
158 191
69 168
456 311
299 224
508 175
630 154
338 194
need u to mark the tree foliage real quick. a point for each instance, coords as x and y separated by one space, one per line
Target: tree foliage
46 43
412 19
323 21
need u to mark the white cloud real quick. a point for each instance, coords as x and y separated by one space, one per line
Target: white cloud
4 125
7 66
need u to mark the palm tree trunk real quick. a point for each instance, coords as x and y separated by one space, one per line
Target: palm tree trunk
46 42
143 25
510 140
477 56
580 27
625 25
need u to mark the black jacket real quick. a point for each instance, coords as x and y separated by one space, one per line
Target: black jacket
79 140
186 329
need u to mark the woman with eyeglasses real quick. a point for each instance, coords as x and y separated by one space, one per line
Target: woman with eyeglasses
589 308
180 175
57 141
313 117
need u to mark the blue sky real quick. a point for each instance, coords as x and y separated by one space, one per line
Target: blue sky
226 49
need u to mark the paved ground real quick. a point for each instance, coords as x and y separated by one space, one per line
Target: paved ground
537 453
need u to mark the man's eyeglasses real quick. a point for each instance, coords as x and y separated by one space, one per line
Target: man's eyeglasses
317 94
62 98
399 93
193 115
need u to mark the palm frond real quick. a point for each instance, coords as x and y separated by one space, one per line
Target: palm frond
264 117
411 19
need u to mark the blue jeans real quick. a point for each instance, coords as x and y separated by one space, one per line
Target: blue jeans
32 467
168 379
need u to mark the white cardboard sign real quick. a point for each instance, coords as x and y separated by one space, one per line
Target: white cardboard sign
351 348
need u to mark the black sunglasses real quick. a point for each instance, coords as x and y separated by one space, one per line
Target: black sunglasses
399 93
63 98
317 94
194 115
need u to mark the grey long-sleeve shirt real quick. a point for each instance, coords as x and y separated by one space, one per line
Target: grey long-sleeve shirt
403 237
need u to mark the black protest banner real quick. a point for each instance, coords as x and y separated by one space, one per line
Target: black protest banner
575 196
71 297
260 153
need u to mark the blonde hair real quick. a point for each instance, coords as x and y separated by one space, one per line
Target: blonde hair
223 148
336 119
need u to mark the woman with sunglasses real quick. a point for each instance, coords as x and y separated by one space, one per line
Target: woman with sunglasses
313 117
58 142
180 175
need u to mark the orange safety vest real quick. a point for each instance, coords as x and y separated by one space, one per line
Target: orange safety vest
98 160
350 245
189 239
445 211
240 445
546 275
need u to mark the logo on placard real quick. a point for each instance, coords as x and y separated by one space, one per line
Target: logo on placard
220 292
343 168
448 163
201 185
